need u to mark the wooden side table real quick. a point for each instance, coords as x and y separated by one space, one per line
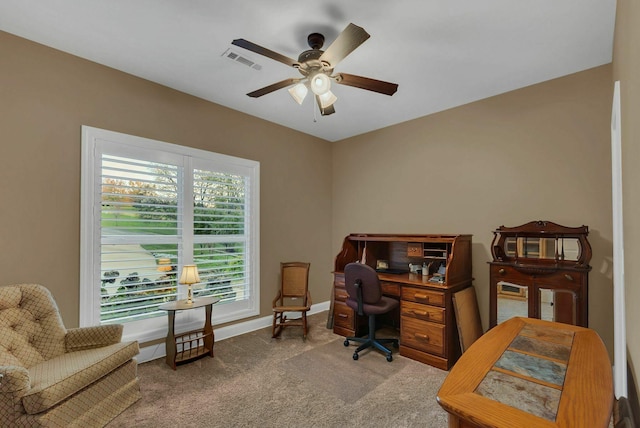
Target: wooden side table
527 372
190 345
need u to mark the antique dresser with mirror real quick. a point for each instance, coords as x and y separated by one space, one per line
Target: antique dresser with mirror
540 270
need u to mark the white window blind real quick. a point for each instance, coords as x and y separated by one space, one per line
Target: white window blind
219 227
140 223
149 208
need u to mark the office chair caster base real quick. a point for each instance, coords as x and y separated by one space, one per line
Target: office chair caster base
355 356
346 342
389 358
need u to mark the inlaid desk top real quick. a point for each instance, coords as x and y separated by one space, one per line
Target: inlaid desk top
527 372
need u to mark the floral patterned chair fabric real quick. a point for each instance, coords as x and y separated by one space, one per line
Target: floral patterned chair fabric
51 376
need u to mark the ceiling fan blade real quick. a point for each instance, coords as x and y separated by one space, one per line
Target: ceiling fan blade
274 87
346 42
374 85
265 52
327 110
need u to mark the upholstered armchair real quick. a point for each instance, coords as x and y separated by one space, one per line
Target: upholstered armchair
51 376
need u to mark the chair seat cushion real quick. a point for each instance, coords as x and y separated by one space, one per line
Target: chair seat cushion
54 380
385 305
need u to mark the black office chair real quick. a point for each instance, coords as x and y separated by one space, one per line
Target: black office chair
365 297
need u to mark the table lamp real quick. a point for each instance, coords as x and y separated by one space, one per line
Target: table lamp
189 276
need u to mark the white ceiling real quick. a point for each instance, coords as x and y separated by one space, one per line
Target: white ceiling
441 53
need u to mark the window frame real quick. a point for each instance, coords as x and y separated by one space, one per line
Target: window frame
96 141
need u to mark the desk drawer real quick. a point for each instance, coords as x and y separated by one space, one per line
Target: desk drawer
390 288
422 312
340 294
419 295
343 315
422 335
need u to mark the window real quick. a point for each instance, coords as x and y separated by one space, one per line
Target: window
149 208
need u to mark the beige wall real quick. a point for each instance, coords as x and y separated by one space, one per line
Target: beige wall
45 97
626 60
539 153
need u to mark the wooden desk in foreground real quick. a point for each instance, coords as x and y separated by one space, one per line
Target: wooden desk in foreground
531 373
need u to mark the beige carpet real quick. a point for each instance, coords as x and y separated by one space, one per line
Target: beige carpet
256 381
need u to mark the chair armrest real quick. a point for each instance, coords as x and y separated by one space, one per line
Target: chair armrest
14 379
275 300
78 339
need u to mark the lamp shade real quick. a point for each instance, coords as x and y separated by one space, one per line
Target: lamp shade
189 275
327 99
298 92
320 83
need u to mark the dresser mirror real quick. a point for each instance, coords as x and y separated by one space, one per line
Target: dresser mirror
542 248
512 300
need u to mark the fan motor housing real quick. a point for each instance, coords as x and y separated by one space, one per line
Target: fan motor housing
310 62
310 55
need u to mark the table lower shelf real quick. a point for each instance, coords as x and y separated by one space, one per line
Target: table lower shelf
192 345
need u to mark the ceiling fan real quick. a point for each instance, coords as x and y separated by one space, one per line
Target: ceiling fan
316 67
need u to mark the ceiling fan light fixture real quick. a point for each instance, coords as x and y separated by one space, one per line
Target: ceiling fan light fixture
327 99
316 67
320 83
298 92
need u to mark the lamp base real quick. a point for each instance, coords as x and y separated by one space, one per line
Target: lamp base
189 300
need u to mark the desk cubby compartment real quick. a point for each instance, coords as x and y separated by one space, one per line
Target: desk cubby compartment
191 345
436 250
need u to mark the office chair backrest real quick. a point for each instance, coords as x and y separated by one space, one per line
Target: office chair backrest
367 277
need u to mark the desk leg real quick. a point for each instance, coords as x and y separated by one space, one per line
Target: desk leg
209 338
170 342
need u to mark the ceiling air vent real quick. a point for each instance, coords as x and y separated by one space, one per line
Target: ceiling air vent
234 56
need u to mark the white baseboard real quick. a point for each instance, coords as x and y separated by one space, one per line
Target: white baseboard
153 352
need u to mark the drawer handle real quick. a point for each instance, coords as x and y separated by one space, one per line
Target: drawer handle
421 313
343 315
421 296
569 277
421 336
501 271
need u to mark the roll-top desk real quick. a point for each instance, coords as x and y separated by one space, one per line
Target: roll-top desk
426 320
540 270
